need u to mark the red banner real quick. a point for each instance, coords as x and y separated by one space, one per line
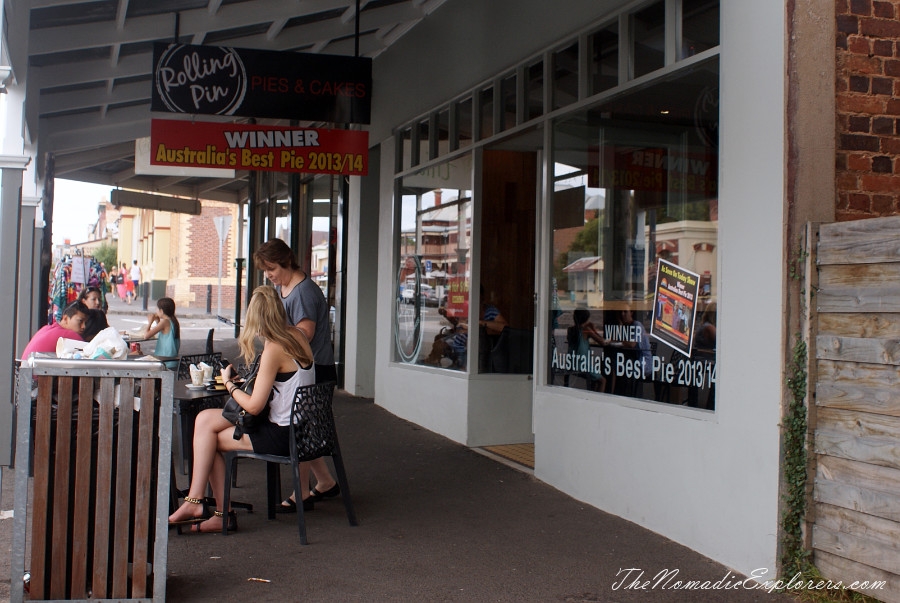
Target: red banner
458 297
265 148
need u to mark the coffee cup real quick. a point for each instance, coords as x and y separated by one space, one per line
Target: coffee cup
196 376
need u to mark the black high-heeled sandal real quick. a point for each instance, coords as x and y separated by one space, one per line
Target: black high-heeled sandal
232 519
190 520
232 523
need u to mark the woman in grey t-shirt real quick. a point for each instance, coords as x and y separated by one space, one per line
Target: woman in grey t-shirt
306 308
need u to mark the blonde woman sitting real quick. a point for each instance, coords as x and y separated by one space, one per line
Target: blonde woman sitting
286 364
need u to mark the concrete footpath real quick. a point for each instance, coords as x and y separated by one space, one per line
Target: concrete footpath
437 522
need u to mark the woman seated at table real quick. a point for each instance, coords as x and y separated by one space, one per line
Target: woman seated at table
286 364
91 297
96 322
165 327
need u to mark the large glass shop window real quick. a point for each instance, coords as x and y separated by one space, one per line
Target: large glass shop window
634 278
432 300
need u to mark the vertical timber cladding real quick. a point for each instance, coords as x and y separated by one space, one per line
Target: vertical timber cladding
857 432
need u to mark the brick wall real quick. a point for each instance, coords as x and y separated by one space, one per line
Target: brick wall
868 108
194 255
203 243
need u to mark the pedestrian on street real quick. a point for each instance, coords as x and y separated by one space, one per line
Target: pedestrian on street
136 278
121 277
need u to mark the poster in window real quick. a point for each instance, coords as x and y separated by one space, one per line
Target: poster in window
674 306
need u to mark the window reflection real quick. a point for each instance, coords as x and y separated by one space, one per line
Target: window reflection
649 33
464 122
432 300
508 99
635 183
700 26
604 57
565 76
534 90
486 112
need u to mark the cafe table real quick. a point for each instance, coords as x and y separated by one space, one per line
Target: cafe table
189 401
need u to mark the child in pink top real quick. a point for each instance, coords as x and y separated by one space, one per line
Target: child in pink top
70 326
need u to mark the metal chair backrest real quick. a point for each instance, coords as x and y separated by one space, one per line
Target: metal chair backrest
313 433
185 362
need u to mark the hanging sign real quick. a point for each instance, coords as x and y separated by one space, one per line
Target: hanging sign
674 306
253 147
215 80
79 269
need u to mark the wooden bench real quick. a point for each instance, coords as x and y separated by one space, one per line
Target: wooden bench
97 530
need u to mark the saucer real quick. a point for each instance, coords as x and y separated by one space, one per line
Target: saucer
192 386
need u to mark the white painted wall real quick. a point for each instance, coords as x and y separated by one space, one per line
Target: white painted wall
362 280
706 480
709 481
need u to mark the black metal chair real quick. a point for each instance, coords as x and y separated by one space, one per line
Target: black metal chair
312 435
185 362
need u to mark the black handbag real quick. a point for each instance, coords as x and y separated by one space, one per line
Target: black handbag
243 421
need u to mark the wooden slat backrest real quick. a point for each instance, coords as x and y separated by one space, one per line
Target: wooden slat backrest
39 527
80 517
103 486
122 500
60 486
143 477
100 460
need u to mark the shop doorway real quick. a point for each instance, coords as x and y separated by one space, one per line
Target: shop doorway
509 186
507 267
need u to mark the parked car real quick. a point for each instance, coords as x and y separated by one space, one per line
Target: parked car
409 293
431 297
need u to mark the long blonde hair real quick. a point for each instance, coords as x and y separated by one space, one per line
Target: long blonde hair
267 319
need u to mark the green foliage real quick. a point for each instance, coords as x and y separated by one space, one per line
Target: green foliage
794 557
795 266
106 253
588 240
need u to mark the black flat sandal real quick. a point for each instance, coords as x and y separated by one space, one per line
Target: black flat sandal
316 496
289 506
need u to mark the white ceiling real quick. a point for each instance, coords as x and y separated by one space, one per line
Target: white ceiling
88 71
